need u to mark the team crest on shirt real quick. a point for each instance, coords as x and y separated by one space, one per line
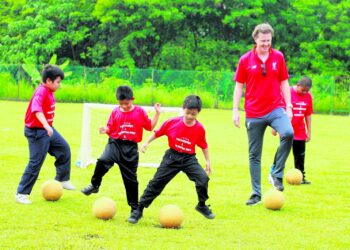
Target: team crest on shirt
274 66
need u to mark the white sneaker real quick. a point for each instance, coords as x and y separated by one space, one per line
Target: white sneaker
67 185
23 199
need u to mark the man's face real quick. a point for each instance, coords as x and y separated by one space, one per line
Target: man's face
263 43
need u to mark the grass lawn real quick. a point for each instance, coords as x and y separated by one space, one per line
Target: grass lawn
314 216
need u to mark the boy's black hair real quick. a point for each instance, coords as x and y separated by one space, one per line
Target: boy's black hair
124 93
51 72
192 102
305 82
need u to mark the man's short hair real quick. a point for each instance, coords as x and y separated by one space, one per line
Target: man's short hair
263 28
51 72
124 93
192 102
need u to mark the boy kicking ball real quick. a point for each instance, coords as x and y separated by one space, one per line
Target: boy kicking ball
42 137
183 133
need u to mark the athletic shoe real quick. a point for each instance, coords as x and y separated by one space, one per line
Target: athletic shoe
253 200
23 199
135 216
304 181
276 182
206 211
67 185
89 189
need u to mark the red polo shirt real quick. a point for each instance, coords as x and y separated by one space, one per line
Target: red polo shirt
181 137
302 107
128 125
263 93
43 101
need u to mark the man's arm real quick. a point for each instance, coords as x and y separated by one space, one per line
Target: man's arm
287 99
237 95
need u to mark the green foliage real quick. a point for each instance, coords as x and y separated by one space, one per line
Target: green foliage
187 35
35 75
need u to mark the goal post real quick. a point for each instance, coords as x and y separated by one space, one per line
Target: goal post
92 143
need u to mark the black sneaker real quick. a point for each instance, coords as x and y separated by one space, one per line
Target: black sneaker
89 189
304 181
135 216
206 211
277 183
253 200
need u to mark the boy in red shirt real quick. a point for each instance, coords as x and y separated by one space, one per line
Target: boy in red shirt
124 128
42 137
301 122
183 133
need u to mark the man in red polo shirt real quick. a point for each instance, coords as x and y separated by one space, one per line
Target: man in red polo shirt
263 70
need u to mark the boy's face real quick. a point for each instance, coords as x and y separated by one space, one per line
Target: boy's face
302 90
53 85
190 115
125 105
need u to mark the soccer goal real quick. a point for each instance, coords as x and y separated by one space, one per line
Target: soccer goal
93 143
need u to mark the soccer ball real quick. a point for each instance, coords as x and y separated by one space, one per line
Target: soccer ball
170 216
51 190
273 199
104 208
294 176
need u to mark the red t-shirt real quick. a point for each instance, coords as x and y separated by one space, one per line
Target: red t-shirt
181 137
128 125
302 107
263 93
44 101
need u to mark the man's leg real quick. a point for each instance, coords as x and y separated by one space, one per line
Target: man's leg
281 123
255 129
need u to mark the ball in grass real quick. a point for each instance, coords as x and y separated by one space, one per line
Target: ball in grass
104 208
294 176
52 190
170 216
273 199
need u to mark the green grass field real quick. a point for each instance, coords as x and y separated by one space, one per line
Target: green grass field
313 217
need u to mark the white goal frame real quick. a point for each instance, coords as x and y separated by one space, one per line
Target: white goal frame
84 158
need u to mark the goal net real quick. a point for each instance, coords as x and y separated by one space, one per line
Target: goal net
93 143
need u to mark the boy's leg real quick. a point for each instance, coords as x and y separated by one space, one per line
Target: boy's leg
60 149
168 169
299 155
104 163
198 175
38 142
128 169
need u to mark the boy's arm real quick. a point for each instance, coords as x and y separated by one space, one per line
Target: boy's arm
156 116
308 128
207 161
43 121
149 140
